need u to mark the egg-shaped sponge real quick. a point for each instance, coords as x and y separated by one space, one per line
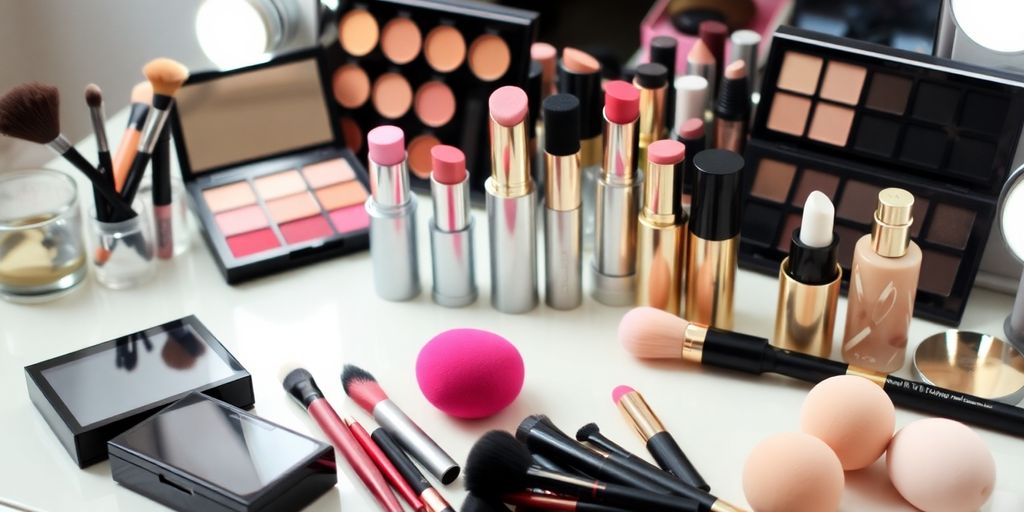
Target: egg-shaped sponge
470 373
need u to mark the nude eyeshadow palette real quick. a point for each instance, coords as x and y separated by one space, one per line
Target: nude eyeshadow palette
266 169
850 118
428 67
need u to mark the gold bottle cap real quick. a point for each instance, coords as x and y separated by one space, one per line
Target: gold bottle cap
890 234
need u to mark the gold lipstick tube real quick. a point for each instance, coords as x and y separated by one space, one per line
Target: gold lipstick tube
711 280
661 238
806 316
652 112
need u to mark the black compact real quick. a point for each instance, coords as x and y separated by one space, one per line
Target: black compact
91 395
203 455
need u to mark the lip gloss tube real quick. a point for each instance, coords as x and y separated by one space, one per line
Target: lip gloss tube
618 194
392 210
661 237
563 230
451 229
511 205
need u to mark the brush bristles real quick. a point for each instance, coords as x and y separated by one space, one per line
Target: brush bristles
361 387
497 464
93 96
475 503
31 111
142 93
165 75
650 333
586 431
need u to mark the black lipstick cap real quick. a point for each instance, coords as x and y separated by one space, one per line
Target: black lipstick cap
651 75
561 124
663 51
716 208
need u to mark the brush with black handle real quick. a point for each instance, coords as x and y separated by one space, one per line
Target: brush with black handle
94 98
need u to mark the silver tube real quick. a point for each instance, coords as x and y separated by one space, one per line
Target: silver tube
389 184
513 243
393 246
614 267
451 245
418 444
563 254
744 47
151 130
99 127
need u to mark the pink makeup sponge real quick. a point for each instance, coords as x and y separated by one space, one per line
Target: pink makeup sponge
469 373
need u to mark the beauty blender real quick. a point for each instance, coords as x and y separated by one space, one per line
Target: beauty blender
940 465
793 472
853 416
469 373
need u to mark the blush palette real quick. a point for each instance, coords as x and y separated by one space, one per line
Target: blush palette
428 67
266 169
850 118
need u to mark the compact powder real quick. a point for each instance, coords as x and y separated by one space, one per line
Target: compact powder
420 161
358 32
831 124
843 83
789 114
773 180
229 197
351 86
800 73
445 48
392 95
401 40
435 104
489 57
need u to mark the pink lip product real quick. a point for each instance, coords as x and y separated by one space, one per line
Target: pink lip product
392 210
282 193
89 396
201 454
511 205
451 229
162 213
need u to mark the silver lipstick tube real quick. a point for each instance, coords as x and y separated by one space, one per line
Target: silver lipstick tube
417 443
393 249
563 242
451 245
617 200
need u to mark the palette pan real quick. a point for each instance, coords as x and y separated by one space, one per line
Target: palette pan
849 118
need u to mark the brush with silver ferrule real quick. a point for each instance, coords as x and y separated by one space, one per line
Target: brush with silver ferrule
563 244
451 229
167 77
141 98
94 99
365 391
392 211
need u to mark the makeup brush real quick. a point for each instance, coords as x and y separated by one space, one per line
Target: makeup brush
300 384
537 501
163 217
166 76
142 96
409 472
365 391
649 333
383 462
31 112
474 503
94 98
499 465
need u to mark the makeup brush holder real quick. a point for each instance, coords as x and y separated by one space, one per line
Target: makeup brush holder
122 253
182 225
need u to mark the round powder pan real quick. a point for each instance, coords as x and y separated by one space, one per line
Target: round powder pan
974 363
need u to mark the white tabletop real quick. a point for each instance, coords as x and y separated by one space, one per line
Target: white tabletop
326 315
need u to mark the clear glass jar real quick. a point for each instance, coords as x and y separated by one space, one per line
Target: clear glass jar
42 256
178 218
122 253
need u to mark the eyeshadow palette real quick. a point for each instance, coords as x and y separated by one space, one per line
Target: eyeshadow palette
265 168
850 118
428 67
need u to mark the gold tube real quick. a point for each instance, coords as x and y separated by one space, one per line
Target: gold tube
806 315
510 164
433 500
652 112
660 204
710 281
563 182
693 342
659 264
639 415
591 151
873 376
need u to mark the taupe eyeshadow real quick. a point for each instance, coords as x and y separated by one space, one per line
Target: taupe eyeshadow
889 93
848 238
773 180
858 202
811 180
951 226
938 273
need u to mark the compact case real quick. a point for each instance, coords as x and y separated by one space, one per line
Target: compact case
851 118
91 395
428 67
203 455
266 168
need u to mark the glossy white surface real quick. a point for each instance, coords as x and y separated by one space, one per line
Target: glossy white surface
326 315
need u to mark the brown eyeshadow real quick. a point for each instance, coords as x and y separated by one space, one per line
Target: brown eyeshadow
920 212
848 238
786 235
938 273
858 202
951 226
889 93
773 180
789 114
811 180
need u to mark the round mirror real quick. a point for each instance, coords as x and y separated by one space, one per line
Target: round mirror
994 24
1011 217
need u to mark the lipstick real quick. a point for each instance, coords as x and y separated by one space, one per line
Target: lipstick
713 34
451 229
743 46
691 134
618 193
660 442
652 81
547 56
732 110
691 100
809 279
663 51
661 236
579 74
563 244
714 238
511 205
392 211
383 463
701 62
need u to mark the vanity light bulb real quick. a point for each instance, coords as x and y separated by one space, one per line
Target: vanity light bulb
233 33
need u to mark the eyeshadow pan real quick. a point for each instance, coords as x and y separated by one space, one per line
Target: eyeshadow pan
876 135
923 146
489 57
811 180
938 273
848 238
920 211
351 86
328 172
984 113
888 93
445 48
831 124
843 82
951 226
799 73
280 184
292 207
242 220
858 202
936 103
773 180
339 196
358 32
306 229
401 40
789 114
760 223
252 243
972 157
392 95
786 235
229 197
434 104
352 134
420 160
352 218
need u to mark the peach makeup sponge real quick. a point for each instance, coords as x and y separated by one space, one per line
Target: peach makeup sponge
469 373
